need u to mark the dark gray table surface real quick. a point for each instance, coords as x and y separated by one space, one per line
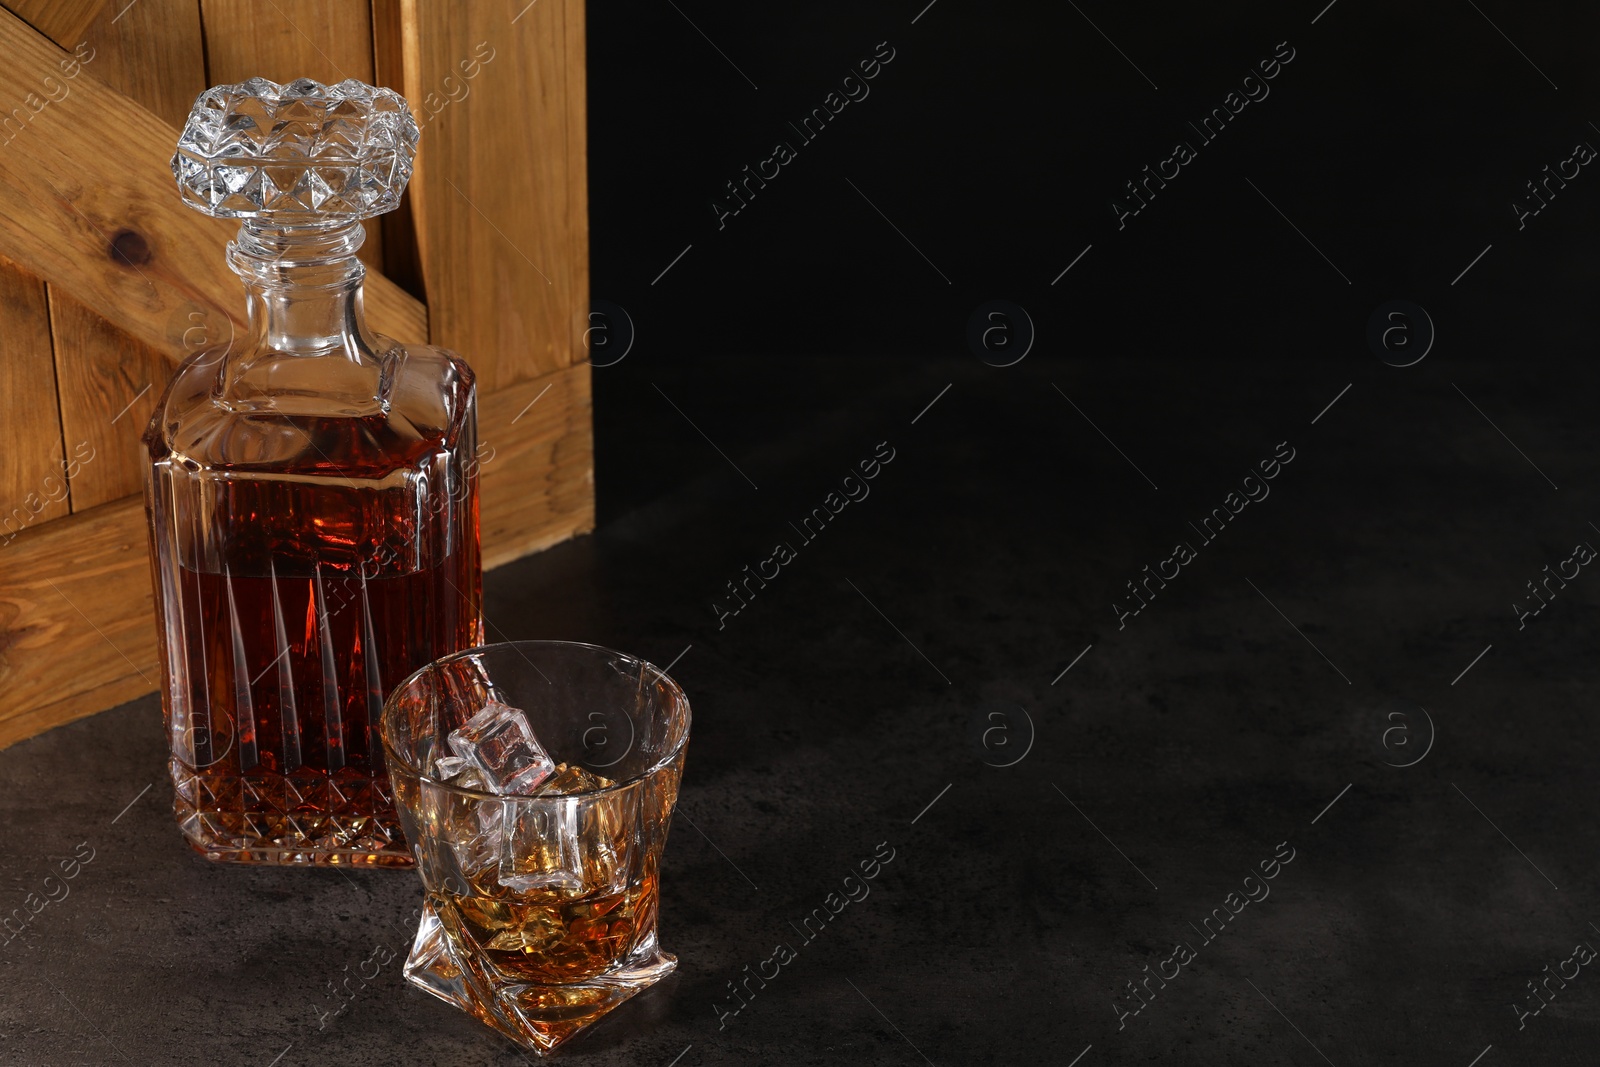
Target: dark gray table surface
959 617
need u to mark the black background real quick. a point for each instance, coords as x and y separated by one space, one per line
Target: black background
996 140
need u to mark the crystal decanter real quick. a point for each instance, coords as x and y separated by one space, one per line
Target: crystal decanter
312 494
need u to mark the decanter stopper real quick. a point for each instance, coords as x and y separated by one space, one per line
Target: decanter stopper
296 154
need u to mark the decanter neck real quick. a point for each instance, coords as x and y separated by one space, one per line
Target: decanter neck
307 349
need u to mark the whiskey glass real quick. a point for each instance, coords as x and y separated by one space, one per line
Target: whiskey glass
540 911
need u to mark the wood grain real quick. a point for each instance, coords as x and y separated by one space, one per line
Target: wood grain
77 620
498 192
32 485
108 385
325 40
541 464
401 259
63 21
87 202
576 187
152 52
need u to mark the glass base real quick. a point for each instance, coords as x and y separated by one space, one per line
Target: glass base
306 820
537 1017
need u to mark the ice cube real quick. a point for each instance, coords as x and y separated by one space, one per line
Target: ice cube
481 840
542 845
466 826
472 827
447 767
499 743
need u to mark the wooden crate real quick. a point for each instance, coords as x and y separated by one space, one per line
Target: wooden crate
106 280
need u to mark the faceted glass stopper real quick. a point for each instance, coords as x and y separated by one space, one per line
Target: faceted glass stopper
297 153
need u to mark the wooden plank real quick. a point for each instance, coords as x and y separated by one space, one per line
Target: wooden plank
77 621
33 486
537 461
150 51
63 21
76 705
401 259
497 201
108 385
87 202
577 184
325 40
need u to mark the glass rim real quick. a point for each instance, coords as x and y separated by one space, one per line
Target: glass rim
679 697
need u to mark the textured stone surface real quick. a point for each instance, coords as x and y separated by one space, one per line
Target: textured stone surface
1197 739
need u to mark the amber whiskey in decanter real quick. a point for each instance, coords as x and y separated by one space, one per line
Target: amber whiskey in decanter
312 494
